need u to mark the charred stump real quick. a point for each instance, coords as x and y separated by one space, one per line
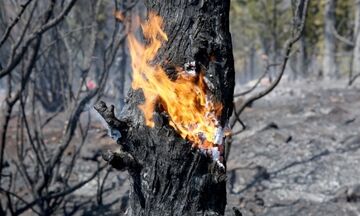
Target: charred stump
168 175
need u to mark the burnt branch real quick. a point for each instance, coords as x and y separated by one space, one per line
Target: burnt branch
109 116
352 80
237 212
14 22
63 193
38 32
342 38
11 194
237 115
257 82
10 102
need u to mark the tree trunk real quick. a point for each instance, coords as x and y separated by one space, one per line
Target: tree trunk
302 64
329 60
168 176
252 58
356 54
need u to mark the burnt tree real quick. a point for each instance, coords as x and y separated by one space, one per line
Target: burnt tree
168 176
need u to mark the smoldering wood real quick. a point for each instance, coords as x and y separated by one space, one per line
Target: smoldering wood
171 177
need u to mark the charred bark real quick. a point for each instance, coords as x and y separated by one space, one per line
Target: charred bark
168 176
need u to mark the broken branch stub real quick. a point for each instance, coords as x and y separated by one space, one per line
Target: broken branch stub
118 130
120 160
117 127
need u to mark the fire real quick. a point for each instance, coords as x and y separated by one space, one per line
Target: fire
190 109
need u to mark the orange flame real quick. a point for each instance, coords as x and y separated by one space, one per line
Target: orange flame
191 112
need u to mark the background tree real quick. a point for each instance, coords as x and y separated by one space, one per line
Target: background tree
261 32
356 58
329 62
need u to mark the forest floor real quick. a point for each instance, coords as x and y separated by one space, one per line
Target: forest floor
300 153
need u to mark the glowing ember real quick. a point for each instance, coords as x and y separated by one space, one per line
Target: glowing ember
191 112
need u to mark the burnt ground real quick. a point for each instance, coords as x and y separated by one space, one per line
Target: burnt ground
300 154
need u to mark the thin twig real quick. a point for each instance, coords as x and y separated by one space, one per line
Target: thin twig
352 80
257 82
59 194
342 38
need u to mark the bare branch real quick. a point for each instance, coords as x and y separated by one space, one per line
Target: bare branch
10 102
101 187
59 194
14 22
352 80
39 31
342 38
257 82
19 198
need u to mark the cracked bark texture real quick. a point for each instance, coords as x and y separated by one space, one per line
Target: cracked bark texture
168 177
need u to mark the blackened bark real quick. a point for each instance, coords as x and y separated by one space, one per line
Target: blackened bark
168 177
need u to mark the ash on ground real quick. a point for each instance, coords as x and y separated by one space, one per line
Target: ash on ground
300 154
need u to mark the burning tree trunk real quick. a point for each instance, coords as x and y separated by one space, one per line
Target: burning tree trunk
171 128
